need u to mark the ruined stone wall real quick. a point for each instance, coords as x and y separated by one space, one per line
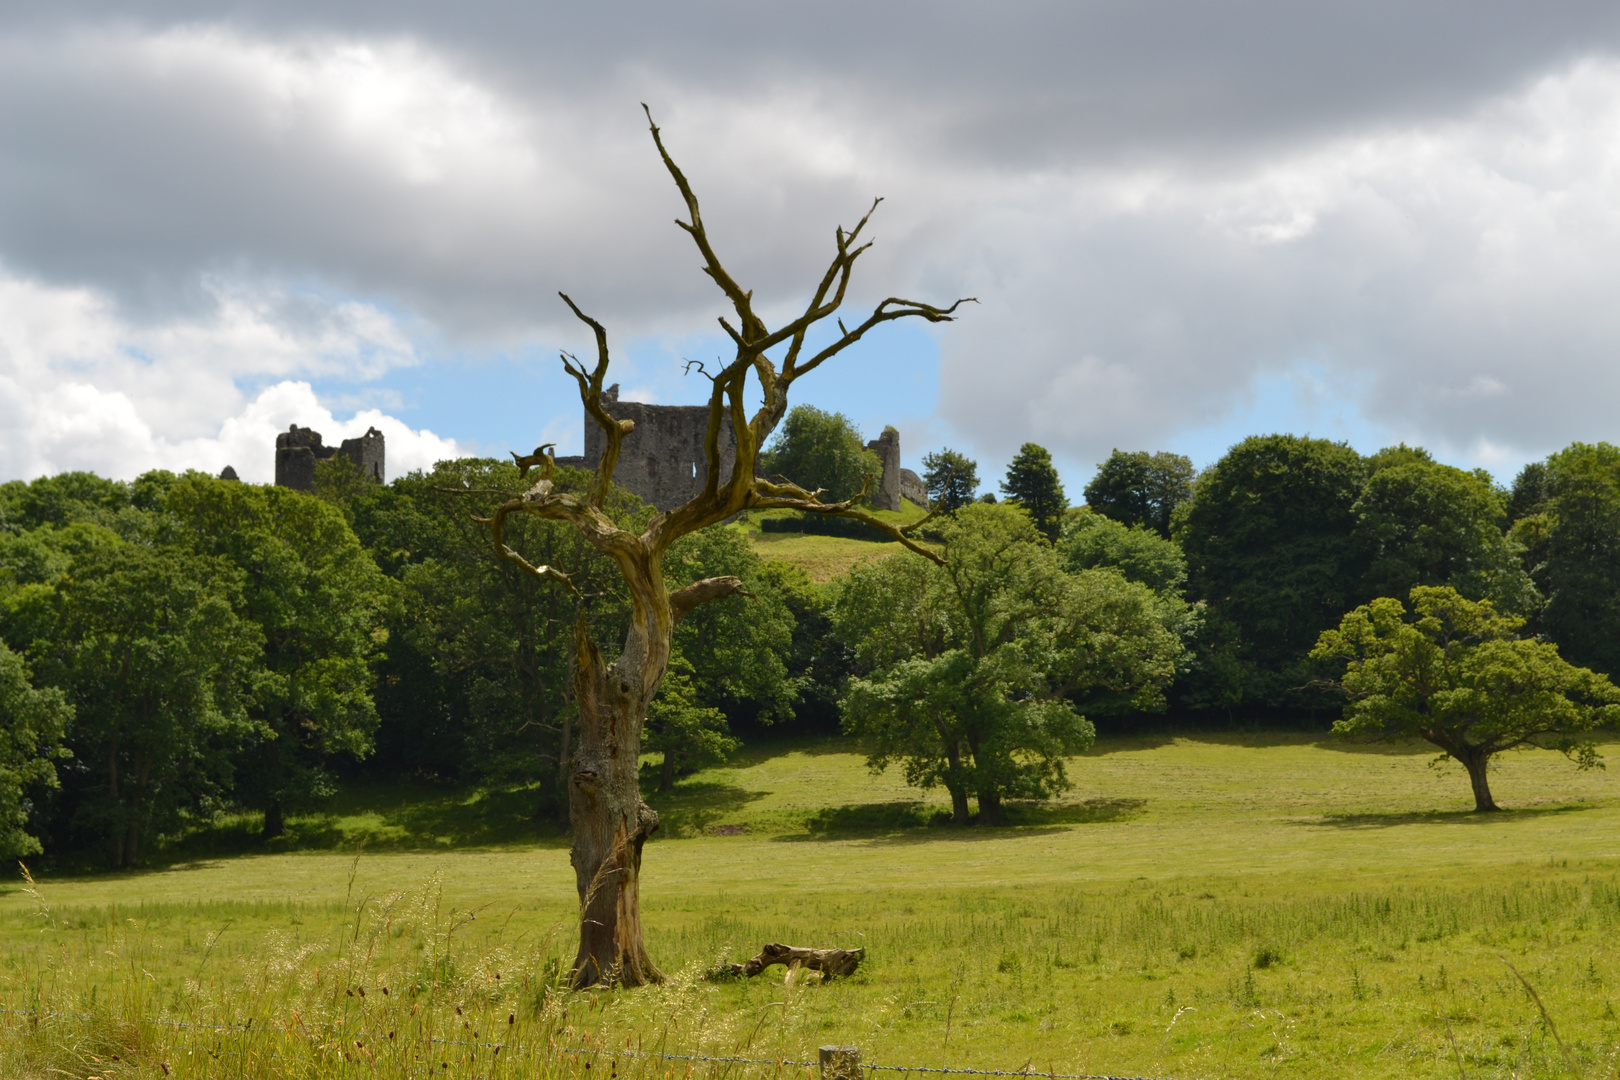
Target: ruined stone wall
299 449
662 459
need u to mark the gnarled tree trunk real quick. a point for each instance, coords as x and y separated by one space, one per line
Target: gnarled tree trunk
611 822
1476 763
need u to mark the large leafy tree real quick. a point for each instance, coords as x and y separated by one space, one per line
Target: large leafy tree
145 643
1270 546
951 478
1140 488
1577 536
318 600
32 722
1455 673
822 450
1032 481
611 821
1422 523
972 669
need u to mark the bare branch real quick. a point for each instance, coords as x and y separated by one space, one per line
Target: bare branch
590 392
742 301
682 601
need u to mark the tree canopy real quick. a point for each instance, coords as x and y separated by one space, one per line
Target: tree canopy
1140 488
1270 546
952 479
972 669
817 449
1455 673
1032 480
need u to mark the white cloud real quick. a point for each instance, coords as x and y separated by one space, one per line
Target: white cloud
81 388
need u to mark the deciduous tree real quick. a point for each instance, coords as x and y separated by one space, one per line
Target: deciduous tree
1140 488
611 822
32 722
973 668
821 450
1270 546
318 599
1456 674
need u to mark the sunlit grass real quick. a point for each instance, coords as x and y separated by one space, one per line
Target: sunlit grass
1196 907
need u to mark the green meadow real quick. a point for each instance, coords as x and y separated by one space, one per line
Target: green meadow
1202 906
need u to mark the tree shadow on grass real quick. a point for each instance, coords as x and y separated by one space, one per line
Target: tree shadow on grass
1377 820
912 821
697 806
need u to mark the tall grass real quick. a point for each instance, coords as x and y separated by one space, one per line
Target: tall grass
1181 981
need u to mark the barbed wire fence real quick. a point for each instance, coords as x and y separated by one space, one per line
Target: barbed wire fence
835 1063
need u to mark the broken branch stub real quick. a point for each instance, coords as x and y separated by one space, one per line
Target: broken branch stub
830 962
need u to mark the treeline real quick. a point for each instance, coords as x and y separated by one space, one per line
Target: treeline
180 646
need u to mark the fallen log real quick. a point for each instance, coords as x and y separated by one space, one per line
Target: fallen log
830 962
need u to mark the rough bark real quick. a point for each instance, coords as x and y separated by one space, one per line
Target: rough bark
1476 763
830 962
611 822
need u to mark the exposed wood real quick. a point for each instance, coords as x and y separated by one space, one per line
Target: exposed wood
830 962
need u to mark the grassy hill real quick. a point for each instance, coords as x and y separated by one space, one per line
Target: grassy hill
1206 906
823 557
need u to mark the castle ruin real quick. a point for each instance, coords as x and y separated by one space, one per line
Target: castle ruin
662 460
299 449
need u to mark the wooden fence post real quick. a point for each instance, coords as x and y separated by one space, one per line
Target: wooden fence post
840 1063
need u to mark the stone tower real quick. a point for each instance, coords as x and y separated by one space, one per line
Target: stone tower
887 448
298 449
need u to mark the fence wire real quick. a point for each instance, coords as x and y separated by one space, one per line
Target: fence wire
598 1052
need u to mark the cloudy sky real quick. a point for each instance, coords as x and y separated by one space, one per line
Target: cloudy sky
1185 222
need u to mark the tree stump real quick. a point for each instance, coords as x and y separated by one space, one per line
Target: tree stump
830 962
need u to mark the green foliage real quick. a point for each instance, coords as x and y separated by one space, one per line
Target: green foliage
1090 541
1457 675
1270 543
735 646
145 641
689 735
972 667
1421 523
951 478
32 723
318 599
1530 491
817 449
1577 541
1032 481
817 660
475 682
1141 488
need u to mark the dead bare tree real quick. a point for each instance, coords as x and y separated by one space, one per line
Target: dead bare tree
610 821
